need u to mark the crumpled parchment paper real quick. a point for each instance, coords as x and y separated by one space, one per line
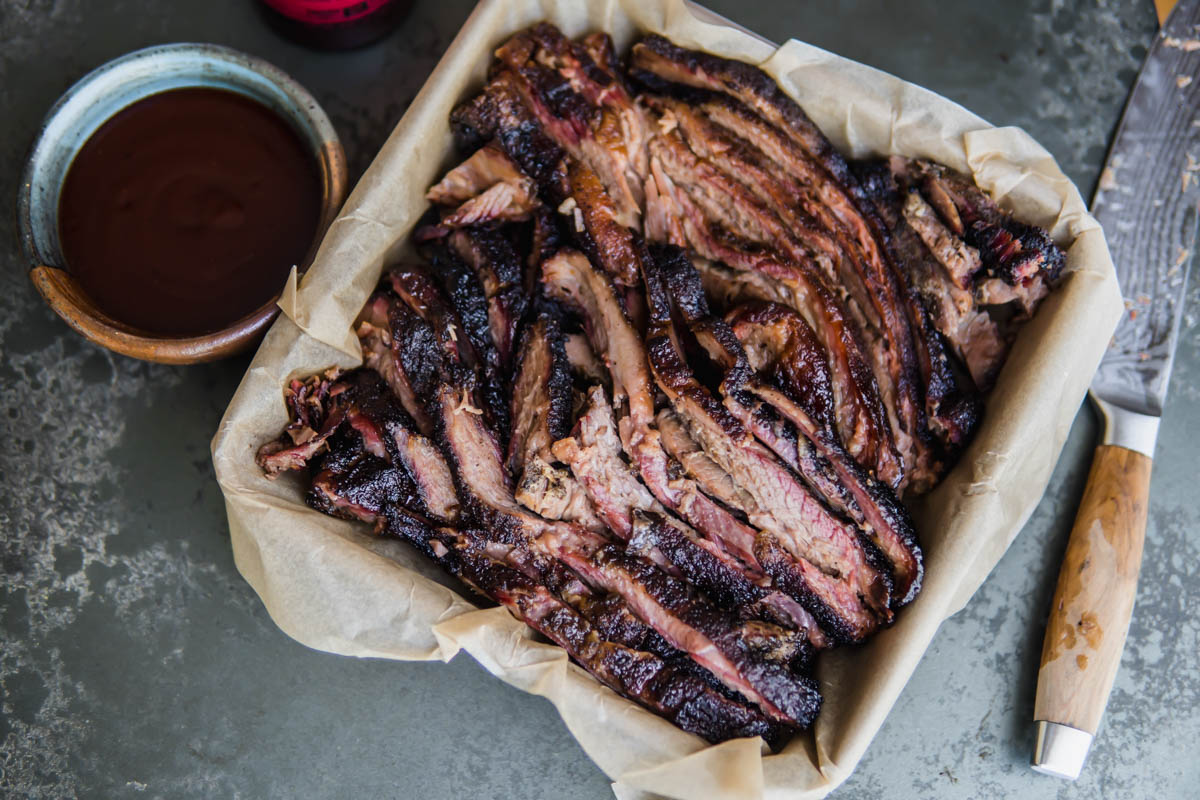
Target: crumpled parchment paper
332 586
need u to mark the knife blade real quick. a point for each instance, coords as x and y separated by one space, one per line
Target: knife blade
1147 202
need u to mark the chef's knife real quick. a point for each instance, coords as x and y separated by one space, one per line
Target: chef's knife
1147 204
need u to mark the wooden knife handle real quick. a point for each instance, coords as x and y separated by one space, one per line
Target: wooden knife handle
1096 587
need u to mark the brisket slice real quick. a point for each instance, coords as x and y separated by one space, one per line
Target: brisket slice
657 58
592 217
360 419
588 112
749 599
593 452
359 491
963 347
1011 250
712 480
737 190
541 413
462 286
971 255
548 235
583 108
831 570
1017 265
456 351
499 113
798 205
312 419
590 65
486 188
403 349
727 288
795 450
541 398
936 259
753 658
498 268
775 368
736 654
513 112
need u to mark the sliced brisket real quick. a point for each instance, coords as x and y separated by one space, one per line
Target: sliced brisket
829 570
732 652
571 278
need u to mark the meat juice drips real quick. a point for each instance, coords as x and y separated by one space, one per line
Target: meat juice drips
186 211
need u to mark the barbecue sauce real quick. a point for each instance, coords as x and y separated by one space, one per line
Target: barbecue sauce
186 211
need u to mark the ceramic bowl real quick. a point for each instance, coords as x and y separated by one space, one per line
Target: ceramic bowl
93 101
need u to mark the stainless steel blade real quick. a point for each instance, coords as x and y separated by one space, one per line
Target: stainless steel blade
1147 203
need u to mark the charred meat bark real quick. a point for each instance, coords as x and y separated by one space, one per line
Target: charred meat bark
464 291
499 270
644 677
414 285
498 113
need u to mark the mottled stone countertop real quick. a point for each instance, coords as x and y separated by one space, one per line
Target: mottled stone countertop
135 662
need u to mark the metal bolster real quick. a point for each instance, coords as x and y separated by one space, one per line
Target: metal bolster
1128 429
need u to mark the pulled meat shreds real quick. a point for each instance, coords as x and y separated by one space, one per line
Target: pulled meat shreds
487 187
684 467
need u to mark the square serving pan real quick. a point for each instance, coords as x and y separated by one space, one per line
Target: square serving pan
332 586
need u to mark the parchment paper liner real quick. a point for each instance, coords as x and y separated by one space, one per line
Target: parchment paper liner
330 585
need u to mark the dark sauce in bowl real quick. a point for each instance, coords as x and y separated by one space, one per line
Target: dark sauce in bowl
186 211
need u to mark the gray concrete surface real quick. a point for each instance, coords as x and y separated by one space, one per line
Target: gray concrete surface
135 662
